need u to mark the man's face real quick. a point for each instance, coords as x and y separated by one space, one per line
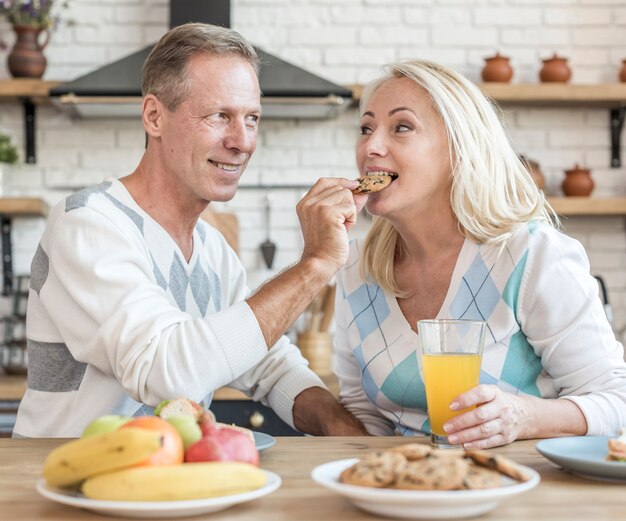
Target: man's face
207 142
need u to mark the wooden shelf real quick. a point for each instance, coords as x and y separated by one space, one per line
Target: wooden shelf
572 206
23 206
552 94
610 95
36 90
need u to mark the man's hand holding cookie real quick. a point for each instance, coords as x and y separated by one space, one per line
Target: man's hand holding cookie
326 214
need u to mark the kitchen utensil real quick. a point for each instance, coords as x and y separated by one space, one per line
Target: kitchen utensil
268 248
328 308
608 310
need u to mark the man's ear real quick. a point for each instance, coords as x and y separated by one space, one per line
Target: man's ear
152 115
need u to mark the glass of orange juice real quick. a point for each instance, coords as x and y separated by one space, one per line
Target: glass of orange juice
451 355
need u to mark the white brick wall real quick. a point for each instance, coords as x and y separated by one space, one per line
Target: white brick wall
346 42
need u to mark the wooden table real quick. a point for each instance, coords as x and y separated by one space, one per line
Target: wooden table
559 497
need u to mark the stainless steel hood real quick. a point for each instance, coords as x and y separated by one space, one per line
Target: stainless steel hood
288 91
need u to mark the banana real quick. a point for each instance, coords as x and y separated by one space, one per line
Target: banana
76 460
175 482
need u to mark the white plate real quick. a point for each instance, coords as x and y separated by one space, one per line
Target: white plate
420 504
156 509
263 441
585 456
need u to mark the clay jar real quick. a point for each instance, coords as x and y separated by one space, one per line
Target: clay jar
497 69
622 72
26 59
577 182
555 70
535 171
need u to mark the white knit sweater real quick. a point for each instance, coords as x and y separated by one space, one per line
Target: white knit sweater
547 334
118 318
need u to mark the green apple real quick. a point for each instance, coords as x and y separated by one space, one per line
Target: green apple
187 427
104 424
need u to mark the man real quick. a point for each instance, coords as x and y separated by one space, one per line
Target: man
133 300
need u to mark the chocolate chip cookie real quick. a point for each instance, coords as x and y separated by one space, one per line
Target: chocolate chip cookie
377 469
500 463
481 477
432 474
371 183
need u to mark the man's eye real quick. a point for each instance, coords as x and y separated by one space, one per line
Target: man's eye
218 116
253 120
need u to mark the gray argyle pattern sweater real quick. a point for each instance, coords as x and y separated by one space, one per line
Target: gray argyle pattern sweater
119 320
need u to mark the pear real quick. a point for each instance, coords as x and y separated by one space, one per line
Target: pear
104 424
187 427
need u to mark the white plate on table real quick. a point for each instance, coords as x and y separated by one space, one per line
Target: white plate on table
263 441
420 504
156 509
584 456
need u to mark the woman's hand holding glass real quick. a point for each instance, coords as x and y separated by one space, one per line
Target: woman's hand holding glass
497 419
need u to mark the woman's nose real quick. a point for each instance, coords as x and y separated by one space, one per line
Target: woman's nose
375 145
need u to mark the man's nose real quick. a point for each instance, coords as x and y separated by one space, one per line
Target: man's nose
240 136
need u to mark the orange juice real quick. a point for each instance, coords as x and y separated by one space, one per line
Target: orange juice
446 375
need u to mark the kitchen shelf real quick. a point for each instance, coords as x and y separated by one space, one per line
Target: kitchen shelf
15 207
23 207
36 90
600 206
609 95
30 93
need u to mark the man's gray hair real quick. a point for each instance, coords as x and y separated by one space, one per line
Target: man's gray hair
165 72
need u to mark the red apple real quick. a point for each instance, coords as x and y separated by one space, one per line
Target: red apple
223 445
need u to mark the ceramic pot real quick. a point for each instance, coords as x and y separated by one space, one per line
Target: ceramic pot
622 72
535 171
555 70
578 182
497 68
26 59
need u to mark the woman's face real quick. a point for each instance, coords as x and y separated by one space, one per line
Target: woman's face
402 133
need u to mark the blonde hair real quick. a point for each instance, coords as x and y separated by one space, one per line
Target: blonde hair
165 73
492 192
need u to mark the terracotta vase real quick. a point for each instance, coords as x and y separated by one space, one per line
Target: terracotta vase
26 59
497 68
622 72
578 182
555 70
535 171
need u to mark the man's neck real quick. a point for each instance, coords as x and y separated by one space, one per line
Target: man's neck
159 198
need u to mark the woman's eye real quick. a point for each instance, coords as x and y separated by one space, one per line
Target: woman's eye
402 127
365 130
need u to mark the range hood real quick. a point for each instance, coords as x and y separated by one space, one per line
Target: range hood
288 92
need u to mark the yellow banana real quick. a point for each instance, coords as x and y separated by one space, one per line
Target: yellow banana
76 460
175 482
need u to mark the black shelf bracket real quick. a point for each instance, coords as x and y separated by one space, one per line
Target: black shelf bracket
617 123
7 255
29 130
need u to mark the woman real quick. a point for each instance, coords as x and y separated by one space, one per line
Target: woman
464 233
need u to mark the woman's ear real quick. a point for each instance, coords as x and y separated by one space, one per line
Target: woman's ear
152 115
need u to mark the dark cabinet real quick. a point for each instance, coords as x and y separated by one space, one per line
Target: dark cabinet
253 415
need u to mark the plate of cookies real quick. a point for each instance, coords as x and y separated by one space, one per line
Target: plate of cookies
415 481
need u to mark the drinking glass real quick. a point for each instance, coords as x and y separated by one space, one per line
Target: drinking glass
451 354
